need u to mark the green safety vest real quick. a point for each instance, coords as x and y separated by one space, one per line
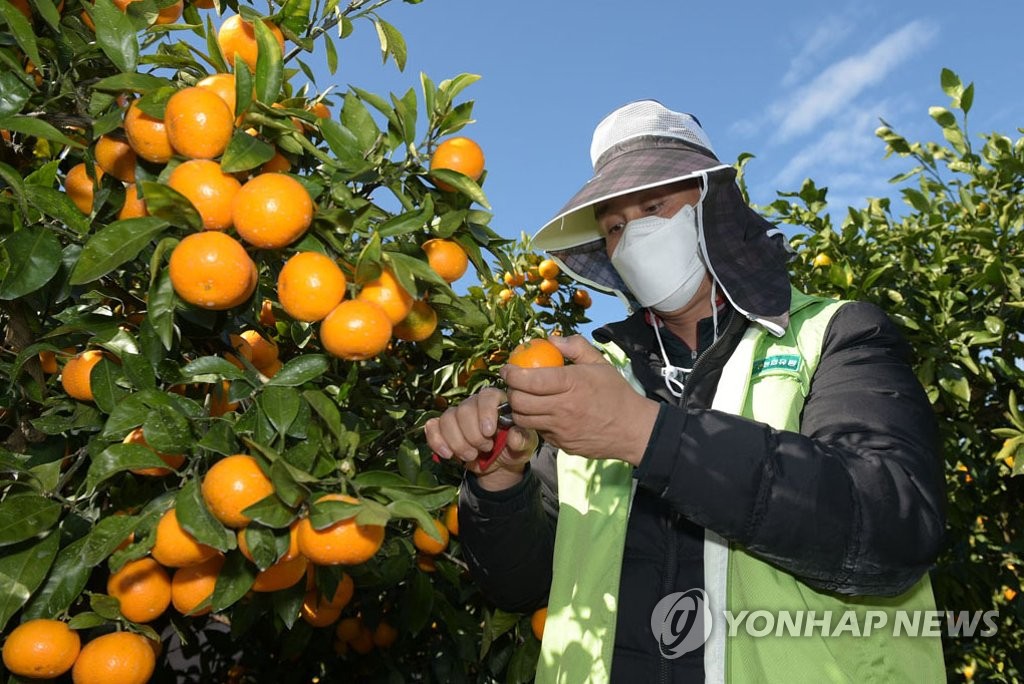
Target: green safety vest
766 379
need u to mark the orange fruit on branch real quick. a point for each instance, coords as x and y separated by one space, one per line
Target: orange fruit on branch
194 584
80 187
232 485
458 154
175 547
344 542
355 330
211 270
419 324
75 378
147 135
237 36
281 575
386 292
263 352
317 611
143 588
272 211
536 353
210 190
115 157
224 86
422 540
581 298
199 123
134 206
121 657
548 269
537 620
447 257
310 285
41 649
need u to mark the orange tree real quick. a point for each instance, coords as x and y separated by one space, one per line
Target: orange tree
948 267
229 304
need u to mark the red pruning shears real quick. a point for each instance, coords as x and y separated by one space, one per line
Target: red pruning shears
500 437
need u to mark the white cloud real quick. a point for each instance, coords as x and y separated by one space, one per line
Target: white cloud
825 36
834 88
850 142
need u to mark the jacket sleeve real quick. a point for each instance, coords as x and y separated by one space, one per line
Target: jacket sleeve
854 503
508 537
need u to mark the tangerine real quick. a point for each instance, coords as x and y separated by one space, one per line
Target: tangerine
548 269
134 206
536 353
344 542
211 270
147 135
458 154
581 298
208 188
272 210
192 585
122 657
355 330
447 257
451 519
41 649
115 157
199 123
237 36
175 547
232 485
223 85
143 589
419 324
310 285
386 292
262 352
76 376
422 540
80 187
318 612
281 575
537 620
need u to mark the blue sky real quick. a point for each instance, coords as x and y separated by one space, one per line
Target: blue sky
801 85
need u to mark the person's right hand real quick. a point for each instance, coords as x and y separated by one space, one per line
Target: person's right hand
466 432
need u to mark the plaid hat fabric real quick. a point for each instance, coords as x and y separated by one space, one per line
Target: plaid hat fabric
746 254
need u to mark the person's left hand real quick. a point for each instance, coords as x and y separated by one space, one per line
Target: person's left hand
586 408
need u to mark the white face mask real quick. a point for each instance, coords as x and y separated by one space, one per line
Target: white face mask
659 259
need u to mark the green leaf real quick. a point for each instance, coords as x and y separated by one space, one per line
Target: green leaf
22 30
286 487
269 64
160 308
34 254
138 83
138 371
358 120
391 43
967 98
294 16
11 176
22 570
167 203
342 142
409 509
245 152
281 406
65 582
332 53
951 84
300 370
461 182
327 410
58 205
116 36
13 94
110 532
244 88
118 458
37 128
417 604
220 439
408 222
211 369
271 511
86 620
23 516
233 582
106 391
199 522
167 431
213 49
114 245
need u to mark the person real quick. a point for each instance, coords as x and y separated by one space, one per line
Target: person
733 448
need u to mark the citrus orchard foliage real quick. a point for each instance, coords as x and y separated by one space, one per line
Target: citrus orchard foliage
231 298
949 268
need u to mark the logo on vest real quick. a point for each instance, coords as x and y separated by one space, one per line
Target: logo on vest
681 622
781 362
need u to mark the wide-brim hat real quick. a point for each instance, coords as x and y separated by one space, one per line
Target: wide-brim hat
643 145
638 146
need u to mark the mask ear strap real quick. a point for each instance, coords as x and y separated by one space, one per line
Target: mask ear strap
670 374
